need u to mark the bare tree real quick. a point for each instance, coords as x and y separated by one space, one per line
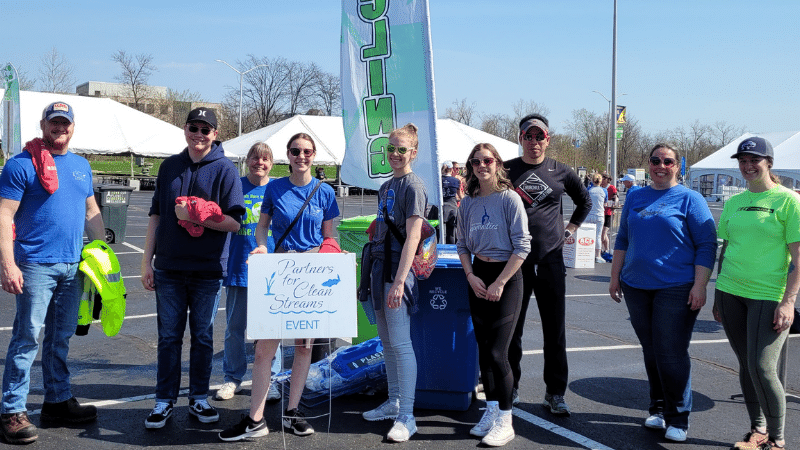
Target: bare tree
724 133
694 142
26 82
328 92
264 91
524 107
301 79
175 106
461 112
501 125
592 130
134 73
56 74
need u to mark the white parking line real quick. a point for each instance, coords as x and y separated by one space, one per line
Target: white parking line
559 430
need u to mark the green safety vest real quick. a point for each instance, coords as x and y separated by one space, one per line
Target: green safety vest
102 278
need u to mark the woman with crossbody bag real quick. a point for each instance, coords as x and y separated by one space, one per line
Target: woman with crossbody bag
301 210
394 292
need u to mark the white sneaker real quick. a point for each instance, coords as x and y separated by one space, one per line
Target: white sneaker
656 422
404 427
487 421
501 433
273 394
227 390
675 434
388 410
599 260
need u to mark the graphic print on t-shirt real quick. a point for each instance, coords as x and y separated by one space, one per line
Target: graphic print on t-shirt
486 223
389 202
533 190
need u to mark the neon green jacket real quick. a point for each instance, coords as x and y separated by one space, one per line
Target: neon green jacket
103 289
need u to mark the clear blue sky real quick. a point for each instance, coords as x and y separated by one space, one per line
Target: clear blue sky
679 61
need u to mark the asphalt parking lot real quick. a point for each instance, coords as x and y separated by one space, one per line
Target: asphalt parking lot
607 390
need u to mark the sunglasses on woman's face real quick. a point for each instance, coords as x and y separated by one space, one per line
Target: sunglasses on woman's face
476 162
194 129
655 161
392 148
296 151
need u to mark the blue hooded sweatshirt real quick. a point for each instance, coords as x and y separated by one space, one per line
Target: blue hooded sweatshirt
213 178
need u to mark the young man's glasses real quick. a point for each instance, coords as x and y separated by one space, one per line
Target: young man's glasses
476 162
655 161
530 137
194 129
401 150
296 151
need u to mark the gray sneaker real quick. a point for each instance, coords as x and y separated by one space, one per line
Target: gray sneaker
556 404
388 410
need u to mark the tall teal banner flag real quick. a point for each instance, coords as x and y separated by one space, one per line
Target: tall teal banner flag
387 82
9 112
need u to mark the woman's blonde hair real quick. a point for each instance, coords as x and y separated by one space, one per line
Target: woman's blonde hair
408 131
260 150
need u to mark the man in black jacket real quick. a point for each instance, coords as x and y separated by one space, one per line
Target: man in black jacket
541 182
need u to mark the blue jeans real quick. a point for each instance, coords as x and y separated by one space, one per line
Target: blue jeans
178 295
50 297
663 323
394 329
234 360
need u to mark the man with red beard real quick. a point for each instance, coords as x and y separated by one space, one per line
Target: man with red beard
197 203
46 191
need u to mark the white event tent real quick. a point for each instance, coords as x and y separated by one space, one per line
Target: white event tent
455 139
104 126
717 176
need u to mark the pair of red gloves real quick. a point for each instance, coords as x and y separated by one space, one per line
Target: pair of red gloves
200 210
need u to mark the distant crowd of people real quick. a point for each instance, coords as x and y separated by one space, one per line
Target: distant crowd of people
506 220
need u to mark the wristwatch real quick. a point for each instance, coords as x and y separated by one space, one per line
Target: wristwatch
567 234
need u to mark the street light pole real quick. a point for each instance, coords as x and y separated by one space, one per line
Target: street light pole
610 134
241 86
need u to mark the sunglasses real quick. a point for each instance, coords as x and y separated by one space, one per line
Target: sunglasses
476 162
296 151
194 129
402 150
656 161
539 137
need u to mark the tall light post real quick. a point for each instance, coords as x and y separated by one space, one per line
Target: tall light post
241 86
611 127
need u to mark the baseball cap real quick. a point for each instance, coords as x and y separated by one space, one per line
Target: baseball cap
448 164
755 146
629 177
203 114
532 123
58 109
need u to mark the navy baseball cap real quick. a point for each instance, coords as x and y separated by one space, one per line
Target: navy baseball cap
58 109
203 115
755 146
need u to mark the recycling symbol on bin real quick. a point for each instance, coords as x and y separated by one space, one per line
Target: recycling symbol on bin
438 301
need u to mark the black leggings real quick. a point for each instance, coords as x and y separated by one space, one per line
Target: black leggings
494 324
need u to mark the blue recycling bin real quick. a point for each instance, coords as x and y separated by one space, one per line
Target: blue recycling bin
444 338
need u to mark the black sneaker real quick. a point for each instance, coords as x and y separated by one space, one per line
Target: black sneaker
247 428
17 428
69 411
159 415
294 420
203 411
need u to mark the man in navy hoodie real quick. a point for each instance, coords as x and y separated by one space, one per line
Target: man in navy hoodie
191 252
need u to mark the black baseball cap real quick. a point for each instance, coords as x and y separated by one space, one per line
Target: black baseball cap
203 114
755 146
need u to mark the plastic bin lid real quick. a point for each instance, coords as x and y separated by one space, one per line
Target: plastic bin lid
448 256
358 223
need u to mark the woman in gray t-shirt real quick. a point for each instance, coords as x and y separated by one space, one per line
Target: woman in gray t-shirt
493 227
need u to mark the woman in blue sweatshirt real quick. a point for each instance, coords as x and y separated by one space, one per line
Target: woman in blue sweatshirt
663 257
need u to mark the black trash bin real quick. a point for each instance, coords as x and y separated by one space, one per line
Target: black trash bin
113 200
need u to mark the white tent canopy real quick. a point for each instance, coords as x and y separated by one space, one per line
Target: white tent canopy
104 126
718 174
455 139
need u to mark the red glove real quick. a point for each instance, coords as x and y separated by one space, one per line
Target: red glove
200 210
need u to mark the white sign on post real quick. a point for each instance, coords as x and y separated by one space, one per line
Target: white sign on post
301 295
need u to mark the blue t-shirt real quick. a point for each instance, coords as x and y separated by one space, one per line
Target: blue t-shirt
666 233
244 241
450 188
282 201
49 226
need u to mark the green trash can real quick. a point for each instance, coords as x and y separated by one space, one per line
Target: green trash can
352 237
113 200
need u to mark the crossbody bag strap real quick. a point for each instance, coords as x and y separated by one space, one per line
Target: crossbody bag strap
297 217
